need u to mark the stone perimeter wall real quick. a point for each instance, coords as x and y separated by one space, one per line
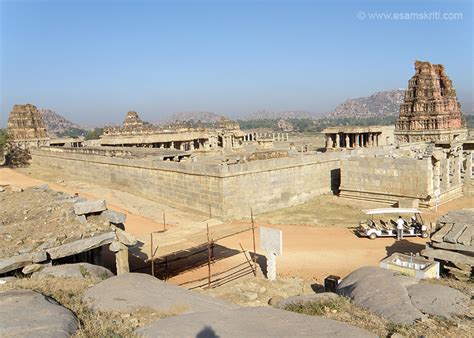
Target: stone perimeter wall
387 179
230 190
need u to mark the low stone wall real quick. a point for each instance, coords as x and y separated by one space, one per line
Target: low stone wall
230 190
387 179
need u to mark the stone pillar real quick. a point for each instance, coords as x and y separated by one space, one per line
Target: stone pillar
347 141
338 139
468 174
457 170
377 139
436 175
286 137
121 257
369 140
445 175
357 140
362 140
328 141
121 261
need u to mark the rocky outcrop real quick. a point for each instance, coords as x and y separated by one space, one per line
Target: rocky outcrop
56 124
400 299
131 291
380 104
25 313
250 322
79 270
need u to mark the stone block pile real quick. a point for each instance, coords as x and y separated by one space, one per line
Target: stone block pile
39 226
453 243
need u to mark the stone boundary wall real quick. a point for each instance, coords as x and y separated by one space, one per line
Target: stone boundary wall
230 190
387 179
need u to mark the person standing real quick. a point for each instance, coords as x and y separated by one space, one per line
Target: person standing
400 225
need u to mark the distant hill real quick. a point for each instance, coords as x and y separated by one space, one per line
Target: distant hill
203 117
271 115
380 104
57 125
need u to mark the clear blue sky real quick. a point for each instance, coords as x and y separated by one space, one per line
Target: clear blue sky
92 61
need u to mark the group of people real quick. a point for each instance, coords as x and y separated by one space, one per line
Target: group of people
401 225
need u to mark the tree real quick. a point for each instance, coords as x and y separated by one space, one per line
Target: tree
94 134
3 138
11 154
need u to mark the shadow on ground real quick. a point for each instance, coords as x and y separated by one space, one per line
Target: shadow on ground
405 247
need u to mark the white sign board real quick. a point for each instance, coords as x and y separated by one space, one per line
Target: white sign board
271 240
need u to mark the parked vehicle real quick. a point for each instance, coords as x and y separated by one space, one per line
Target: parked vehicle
382 223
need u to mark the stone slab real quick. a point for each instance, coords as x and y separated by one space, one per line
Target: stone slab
130 291
15 262
467 236
439 235
25 313
456 231
114 217
250 322
454 247
81 245
89 207
450 256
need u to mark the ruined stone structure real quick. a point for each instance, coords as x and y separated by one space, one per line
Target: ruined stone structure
430 111
350 137
136 133
431 175
256 136
67 142
25 126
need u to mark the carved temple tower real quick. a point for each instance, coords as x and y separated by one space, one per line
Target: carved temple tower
430 111
26 127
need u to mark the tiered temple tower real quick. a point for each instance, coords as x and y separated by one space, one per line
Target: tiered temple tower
26 127
430 111
132 121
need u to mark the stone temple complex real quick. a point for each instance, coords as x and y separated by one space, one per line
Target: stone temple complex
425 158
26 127
430 111
136 133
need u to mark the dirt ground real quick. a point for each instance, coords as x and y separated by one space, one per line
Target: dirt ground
309 252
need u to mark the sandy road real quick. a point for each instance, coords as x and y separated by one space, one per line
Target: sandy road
309 252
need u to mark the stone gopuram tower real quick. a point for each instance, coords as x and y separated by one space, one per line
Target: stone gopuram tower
430 111
26 127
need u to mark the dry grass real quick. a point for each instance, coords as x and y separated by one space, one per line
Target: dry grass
342 309
69 291
324 211
466 287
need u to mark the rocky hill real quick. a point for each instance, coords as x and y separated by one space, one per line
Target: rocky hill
203 117
56 124
380 104
272 115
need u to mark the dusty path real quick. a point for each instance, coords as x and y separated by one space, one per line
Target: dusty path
309 252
